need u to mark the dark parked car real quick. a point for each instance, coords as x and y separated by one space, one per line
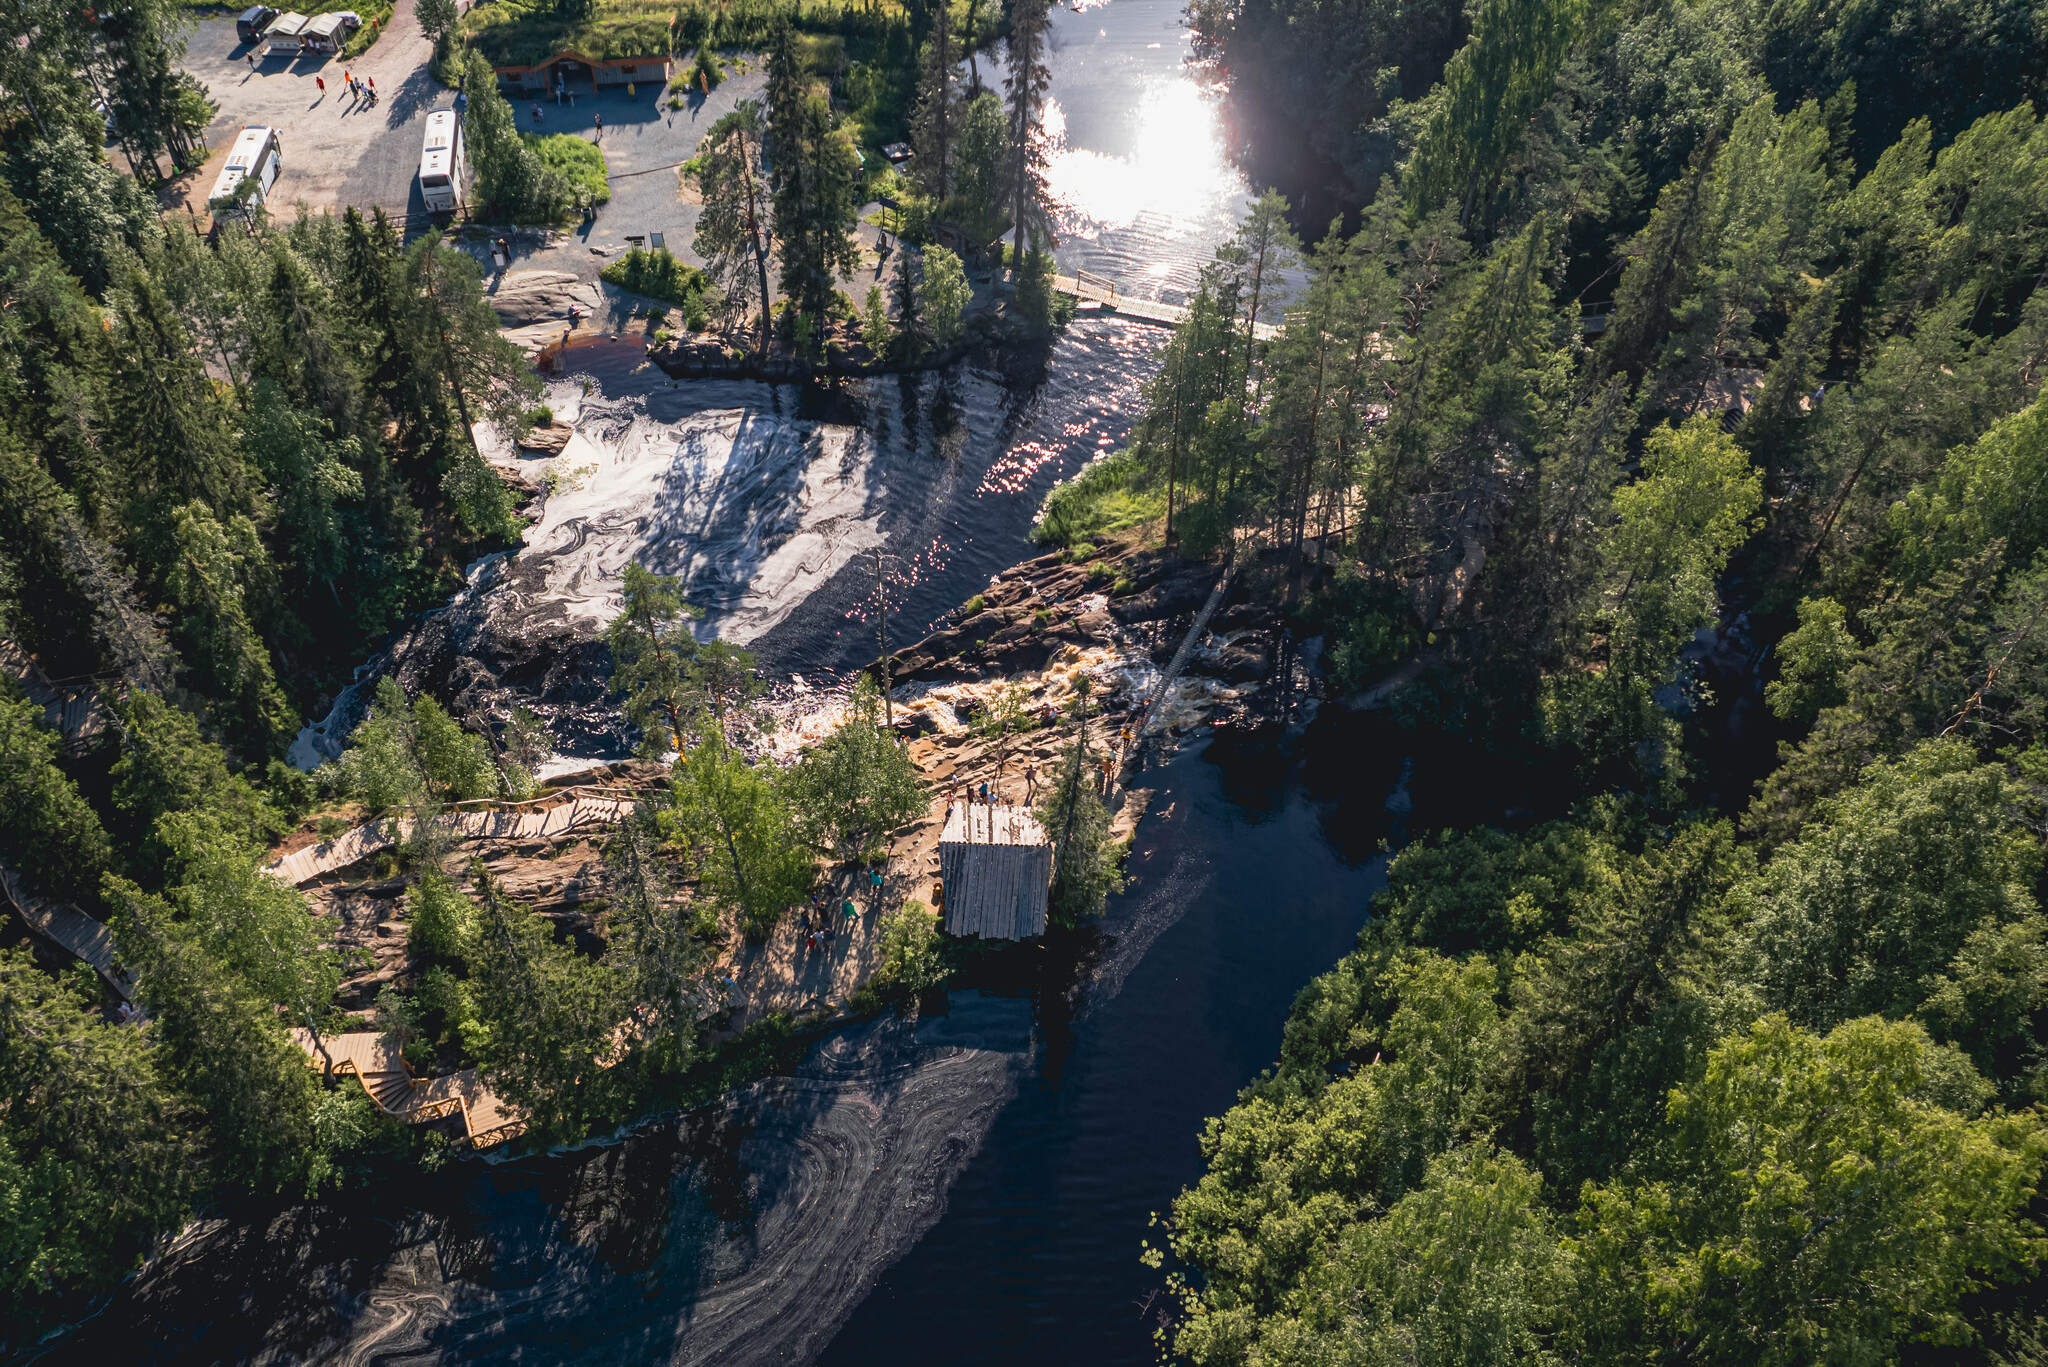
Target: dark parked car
249 28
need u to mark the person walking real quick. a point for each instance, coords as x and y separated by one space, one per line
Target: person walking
600 125
373 86
252 61
536 115
1030 783
321 81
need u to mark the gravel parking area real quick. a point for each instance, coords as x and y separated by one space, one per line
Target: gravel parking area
339 151
644 141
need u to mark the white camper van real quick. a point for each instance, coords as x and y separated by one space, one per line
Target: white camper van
443 169
257 157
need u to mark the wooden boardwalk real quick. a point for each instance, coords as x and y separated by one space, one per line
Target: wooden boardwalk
66 926
1088 285
374 1060
543 818
72 709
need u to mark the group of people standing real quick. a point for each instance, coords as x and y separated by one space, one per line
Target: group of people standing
818 917
364 88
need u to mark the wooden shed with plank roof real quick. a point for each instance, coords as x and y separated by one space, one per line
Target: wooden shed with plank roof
995 867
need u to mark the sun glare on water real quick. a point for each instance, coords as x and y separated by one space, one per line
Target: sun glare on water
1176 170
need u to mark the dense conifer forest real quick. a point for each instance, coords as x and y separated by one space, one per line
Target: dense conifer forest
1665 350
1669 373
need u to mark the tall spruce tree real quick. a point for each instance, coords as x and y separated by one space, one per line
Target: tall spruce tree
733 227
935 128
1026 85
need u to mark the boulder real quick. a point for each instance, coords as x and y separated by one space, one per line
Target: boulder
546 441
1243 662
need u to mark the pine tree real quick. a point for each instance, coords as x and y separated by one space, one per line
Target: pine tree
749 853
1085 865
173 432
1497 80
980 191
651 647
209 580
1026 86
733 225
98 1156
816 207
549 1014
857 785
222 1045
301 350
789 84
651 944
49 834
936 127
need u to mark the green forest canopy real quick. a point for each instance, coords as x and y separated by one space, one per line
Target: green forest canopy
1646 1081
1674 1075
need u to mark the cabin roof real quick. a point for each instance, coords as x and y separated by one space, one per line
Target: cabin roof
976 823
995 868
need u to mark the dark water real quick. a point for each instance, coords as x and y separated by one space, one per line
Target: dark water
992 1165
1256 880
968 456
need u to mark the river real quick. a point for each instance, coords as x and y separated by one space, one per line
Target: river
970 1186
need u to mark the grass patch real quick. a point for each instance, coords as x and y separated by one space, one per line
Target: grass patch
658 275
864 45
512 33
1108 497
521 32
578 160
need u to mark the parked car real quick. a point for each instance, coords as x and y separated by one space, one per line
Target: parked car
250 25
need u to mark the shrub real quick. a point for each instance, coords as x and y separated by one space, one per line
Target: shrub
706 72
911 958
944 293
376 14
972 606
576 160
1034 289
658 275
1369 625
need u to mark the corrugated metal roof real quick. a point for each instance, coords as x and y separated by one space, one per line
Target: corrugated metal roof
977 823
995 867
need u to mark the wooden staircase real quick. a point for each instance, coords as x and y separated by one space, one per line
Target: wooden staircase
376 1062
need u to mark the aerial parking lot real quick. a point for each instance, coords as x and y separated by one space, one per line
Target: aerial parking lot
340 151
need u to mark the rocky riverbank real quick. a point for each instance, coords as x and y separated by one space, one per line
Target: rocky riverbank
1114 617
